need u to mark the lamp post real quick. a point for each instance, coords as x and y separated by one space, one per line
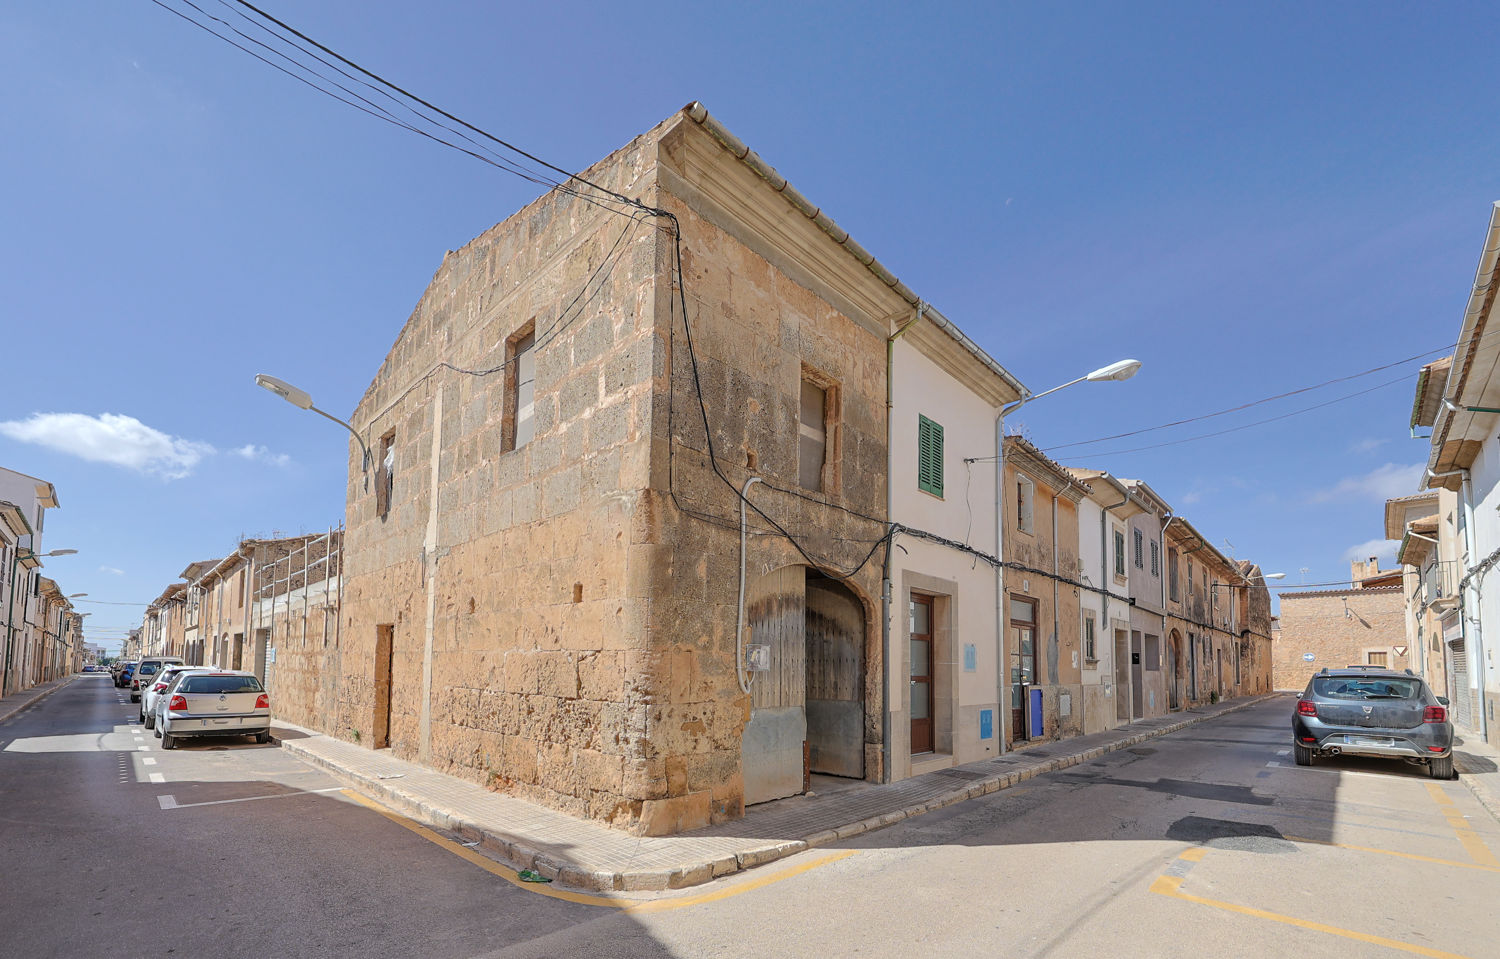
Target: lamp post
300 399
10 616
1117 371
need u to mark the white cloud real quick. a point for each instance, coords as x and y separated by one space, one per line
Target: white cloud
1380 484
1368 446
1190 498
252 452
111 438
1382 549
111 571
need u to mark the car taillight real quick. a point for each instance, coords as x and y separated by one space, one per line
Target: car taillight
263 701
1306 707
159 687
135 684
178 704
1434 714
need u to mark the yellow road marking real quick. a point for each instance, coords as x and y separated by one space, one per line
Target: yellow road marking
1195 854
1392 852
1471 841
1171 886
587 899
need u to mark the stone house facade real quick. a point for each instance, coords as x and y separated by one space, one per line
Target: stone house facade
1148 614
1205 657
1105 515
1360 625
1044 659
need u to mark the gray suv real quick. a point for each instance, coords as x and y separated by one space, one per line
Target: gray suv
1373 711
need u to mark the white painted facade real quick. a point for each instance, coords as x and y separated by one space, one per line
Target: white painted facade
961 586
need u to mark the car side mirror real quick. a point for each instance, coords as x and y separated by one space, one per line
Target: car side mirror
1443 700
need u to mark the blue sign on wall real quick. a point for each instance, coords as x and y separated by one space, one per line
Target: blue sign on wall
986 724
1036 712
971 658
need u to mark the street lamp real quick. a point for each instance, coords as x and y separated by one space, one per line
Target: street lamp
300 399
76 595
1116 371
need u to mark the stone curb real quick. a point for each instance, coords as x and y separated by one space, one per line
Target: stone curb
515 850
1478 787
12 710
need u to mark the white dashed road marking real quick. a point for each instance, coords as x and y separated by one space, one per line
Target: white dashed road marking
158 778
170 801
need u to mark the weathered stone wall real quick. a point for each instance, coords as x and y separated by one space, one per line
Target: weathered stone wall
1316 623
755 331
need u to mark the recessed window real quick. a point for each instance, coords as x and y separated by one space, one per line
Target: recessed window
385 474
1174 587
520 388
1375 659
1090 651
929 456
1025 503
812 442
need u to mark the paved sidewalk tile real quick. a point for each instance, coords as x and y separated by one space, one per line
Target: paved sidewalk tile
587 855
15 702
1478 766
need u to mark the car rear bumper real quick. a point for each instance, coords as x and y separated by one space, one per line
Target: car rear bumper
216 725
1427 742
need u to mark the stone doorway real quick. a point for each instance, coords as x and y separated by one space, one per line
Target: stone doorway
808 708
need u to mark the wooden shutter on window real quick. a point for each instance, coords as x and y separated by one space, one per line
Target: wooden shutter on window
929 456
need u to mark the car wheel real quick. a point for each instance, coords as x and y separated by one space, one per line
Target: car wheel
168 741
157 734
1303 754
263 738
1440 768
150 721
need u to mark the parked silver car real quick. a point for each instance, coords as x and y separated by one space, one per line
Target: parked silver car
217 703
158 684
145 672
1373 711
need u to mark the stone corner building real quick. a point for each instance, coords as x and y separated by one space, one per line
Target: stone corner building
543 577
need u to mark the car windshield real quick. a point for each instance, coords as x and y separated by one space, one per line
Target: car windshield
1366 687
147 669
219 684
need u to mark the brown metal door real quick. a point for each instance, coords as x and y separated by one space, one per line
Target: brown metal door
1022 663
920 655
835 637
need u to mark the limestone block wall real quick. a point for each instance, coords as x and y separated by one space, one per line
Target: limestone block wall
756 334
1317 623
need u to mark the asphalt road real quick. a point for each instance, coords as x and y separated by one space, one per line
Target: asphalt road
1208 842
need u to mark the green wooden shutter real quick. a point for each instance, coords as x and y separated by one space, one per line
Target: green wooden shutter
929 456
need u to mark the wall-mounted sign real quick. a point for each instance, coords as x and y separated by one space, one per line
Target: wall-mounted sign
1400 650
1308 657
971 658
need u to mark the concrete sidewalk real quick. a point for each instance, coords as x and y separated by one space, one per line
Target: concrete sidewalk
586 855
15 702
1478 766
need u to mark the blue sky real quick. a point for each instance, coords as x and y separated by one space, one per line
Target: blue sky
1248 198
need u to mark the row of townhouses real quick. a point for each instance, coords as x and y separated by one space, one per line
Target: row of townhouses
670 497
42 634
1449 532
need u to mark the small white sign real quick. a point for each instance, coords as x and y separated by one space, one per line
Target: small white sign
1308 657
757 657
1400 650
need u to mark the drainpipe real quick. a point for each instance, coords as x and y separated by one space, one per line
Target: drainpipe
1166 635
740 673
1467 505
885 571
